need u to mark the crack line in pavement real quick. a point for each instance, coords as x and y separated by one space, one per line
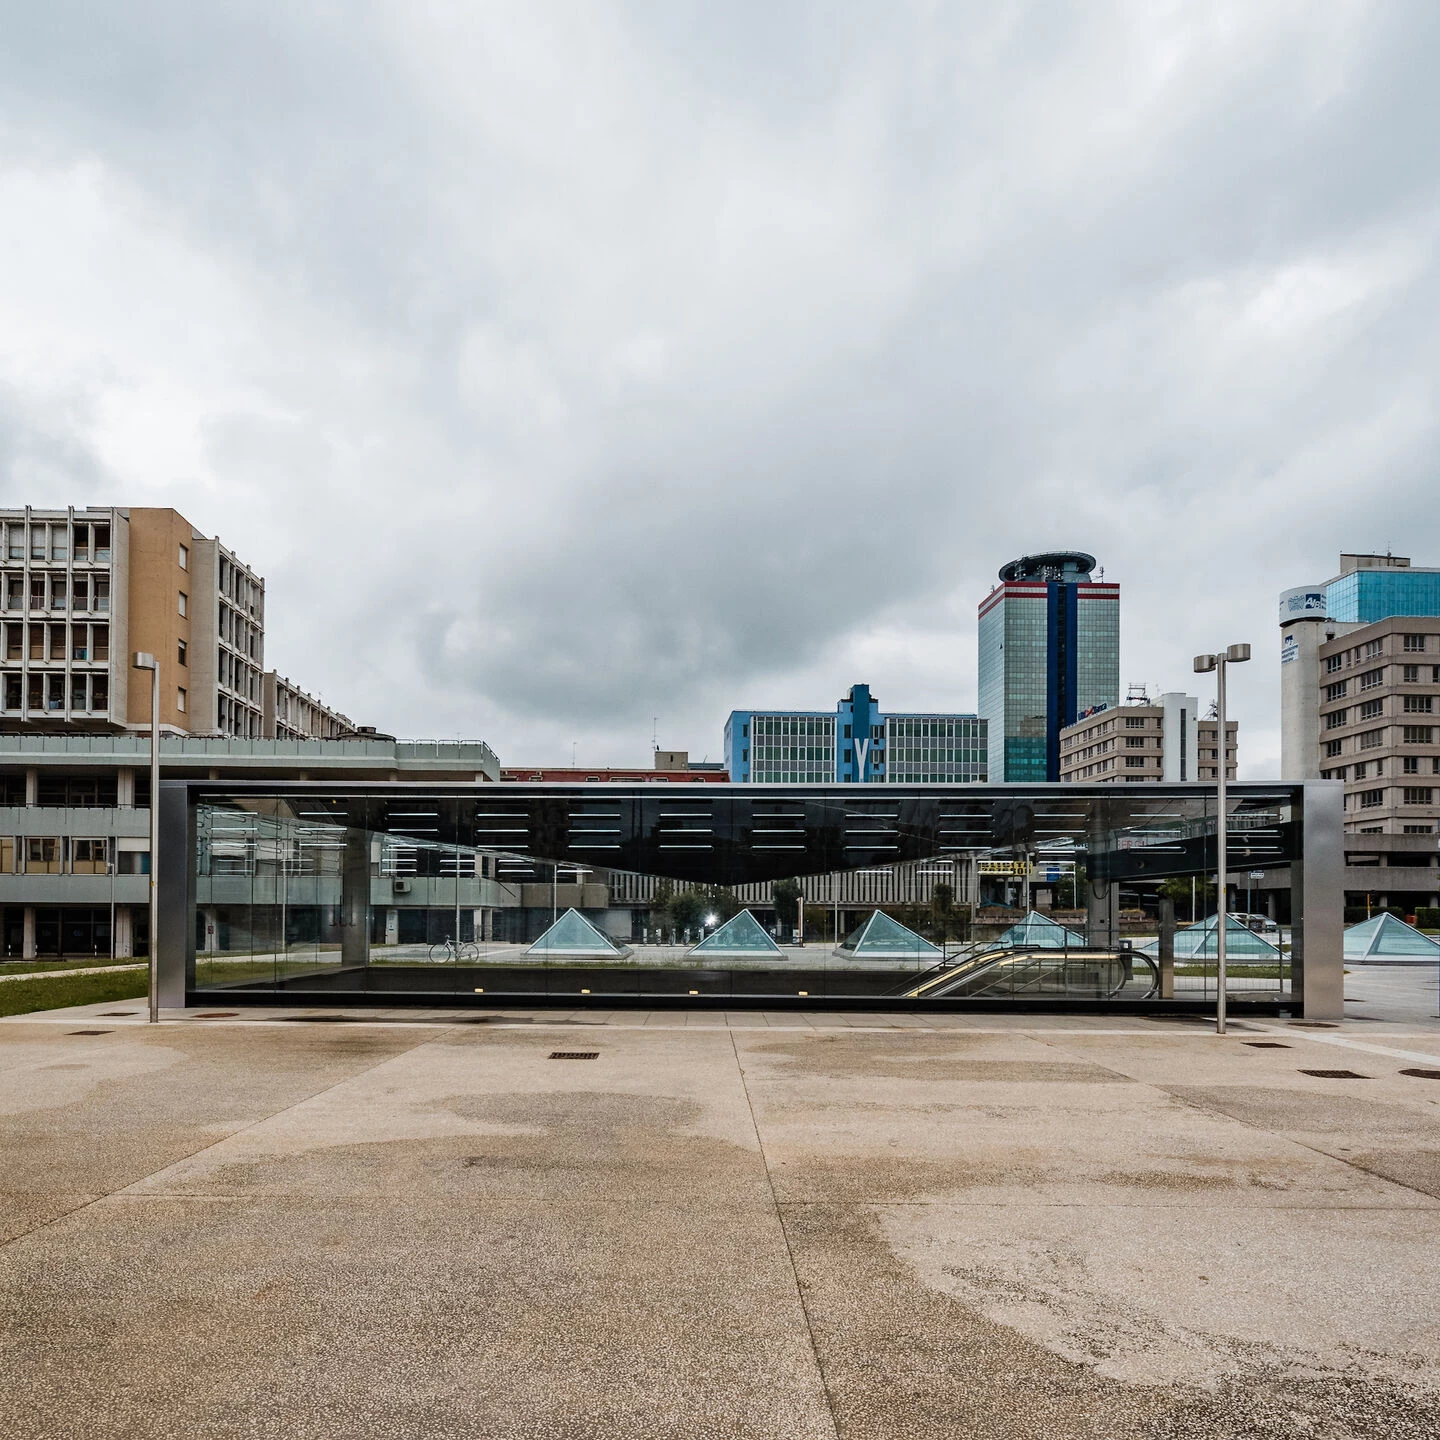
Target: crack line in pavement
120 1189
785 1236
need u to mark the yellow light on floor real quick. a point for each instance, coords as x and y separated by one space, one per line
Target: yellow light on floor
694 992
584 992
479 989
802 992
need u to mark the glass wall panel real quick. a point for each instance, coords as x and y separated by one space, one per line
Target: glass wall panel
911 895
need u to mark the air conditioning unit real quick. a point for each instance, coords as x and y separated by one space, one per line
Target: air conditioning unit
402 887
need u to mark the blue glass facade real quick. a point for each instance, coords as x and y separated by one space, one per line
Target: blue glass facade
1049 648
857 743
1365 596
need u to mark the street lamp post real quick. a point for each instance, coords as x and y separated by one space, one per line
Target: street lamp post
1234 655
142 660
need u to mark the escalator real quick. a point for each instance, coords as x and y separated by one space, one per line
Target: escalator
1006 971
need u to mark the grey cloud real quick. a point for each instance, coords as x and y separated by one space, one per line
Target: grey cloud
614 360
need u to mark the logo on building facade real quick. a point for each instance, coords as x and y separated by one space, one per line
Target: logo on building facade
1303 602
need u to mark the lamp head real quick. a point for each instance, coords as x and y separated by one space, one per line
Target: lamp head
144 660
1236 653
1204 664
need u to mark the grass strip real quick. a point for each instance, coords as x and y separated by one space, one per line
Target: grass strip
57 990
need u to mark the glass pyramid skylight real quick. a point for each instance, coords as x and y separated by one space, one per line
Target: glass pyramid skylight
881 938
572 936
741 934
1038 929
1387 934
1241 943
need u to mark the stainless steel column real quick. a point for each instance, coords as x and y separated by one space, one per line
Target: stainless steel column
1317 904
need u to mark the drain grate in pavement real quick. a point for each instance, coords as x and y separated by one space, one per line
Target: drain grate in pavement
574 1054
218 1015
1421 1074
1336 1074
1267 1044
117 1014
89 1032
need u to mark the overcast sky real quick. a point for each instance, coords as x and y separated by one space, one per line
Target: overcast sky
566 366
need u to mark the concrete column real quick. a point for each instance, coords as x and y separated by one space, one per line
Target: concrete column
1167 948
355 897
124 935
125 789
27 947
32 787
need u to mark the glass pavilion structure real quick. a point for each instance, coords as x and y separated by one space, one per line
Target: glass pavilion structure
315 893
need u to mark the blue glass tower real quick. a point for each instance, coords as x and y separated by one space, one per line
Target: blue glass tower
1049 641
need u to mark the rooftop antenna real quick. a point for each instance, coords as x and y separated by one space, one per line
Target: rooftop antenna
654 733
573 746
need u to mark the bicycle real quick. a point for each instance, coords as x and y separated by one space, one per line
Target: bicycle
447 950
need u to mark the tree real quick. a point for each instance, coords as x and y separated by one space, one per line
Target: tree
786 897
1180 892
661 903
686 909
719 902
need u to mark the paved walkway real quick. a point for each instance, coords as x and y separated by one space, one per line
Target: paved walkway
356 1224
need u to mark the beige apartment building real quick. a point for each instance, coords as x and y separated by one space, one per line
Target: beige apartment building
1165 739
82 590
1379 706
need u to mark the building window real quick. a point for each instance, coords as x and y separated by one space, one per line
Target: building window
1414 642
1419 704
1333 748
1416 829
1336 718
182 649
1360 770
1371 678
1371 799
1372 709
1134 742
1336 691
1418 734
1374 648
184 603
184 557
1418 795
1372 739
1410 674
1134 722
180 705
1333 663
1135 762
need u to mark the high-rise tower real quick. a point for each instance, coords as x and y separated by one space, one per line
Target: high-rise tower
1049 650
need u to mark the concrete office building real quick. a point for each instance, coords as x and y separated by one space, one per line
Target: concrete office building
856 743
1164 739
1360 703
84 589
75 829
1049 641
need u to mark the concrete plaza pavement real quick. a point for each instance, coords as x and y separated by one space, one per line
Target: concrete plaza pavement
770 1224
